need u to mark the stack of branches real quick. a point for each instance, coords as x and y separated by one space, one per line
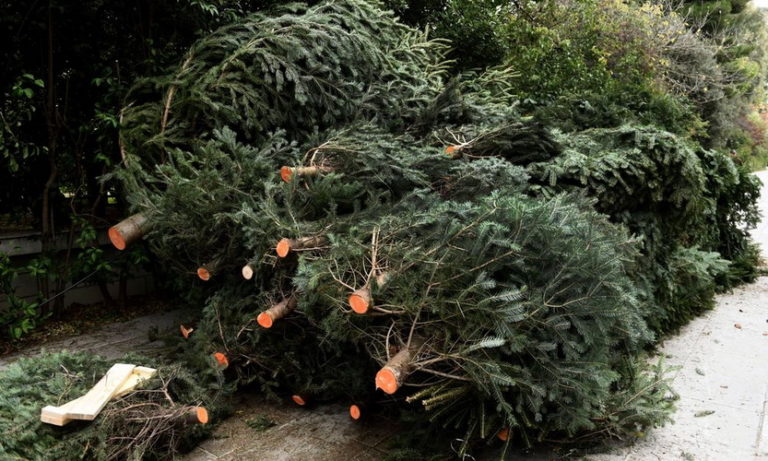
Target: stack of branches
398 230
691 206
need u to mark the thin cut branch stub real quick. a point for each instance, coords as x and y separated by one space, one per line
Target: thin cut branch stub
287 173
360 300
276 312
128 230
210 269
393 374
453 151
287 245
247 272
205 272
221 359
185 332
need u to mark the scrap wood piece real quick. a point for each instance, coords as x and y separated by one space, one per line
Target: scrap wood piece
139 375
60 416
119 380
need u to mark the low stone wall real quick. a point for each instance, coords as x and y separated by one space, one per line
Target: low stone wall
21 246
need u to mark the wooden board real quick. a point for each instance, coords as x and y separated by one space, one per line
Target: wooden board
139 375
91 403
88 406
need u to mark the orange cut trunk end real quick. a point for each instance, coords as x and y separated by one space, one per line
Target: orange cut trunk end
286 173
276 312
360 300
283 248
202 415
197 415
355 412
286 245
117 239
503 434
185 332
247 272
391 376
453 151
128 230
264 320
387 381
221 359
203 273
298 400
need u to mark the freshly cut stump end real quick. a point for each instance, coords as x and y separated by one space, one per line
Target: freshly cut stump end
221 359
204 274
265 320
286 173
128 230
283 248
393 374
360 301
116 238
386 380
196 415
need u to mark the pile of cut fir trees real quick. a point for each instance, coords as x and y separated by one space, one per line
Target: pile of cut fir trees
358 224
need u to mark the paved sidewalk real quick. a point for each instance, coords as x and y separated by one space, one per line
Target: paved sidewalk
111 340
724 370
325 433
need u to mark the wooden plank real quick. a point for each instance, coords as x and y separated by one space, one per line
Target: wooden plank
74 409
92 402
139 375
54 415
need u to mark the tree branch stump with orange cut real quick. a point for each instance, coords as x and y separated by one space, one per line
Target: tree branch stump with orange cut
361 300
128 230
392 376
195 415
286 245
288 174
267 318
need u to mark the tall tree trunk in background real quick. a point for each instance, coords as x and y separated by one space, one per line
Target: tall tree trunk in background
52 120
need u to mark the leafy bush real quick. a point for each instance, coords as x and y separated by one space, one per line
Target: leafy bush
19 316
